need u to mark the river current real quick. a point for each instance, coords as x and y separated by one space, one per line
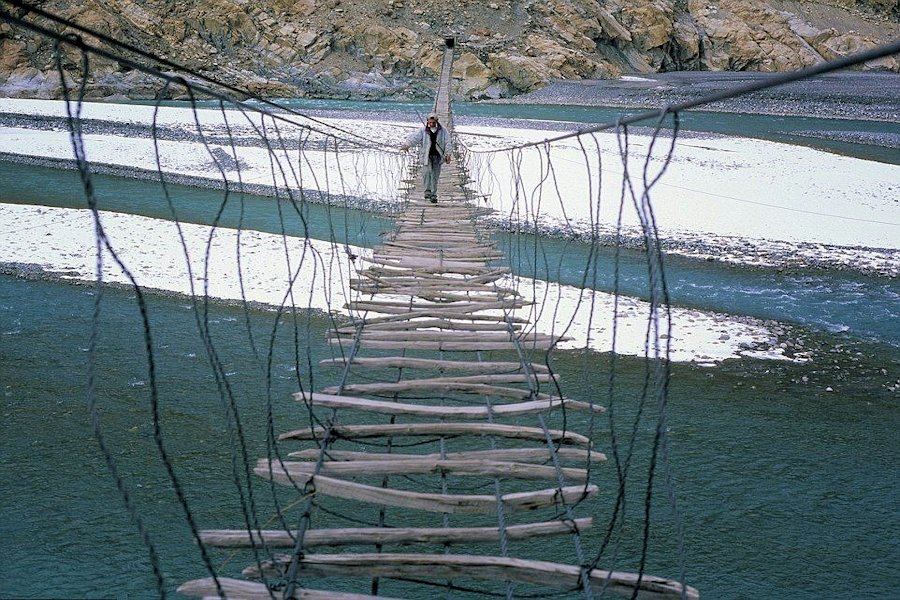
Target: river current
786 475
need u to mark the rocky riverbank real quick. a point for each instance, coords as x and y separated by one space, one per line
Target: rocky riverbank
392 48
844 95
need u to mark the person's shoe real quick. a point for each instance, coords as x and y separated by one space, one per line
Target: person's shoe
428 194
434 199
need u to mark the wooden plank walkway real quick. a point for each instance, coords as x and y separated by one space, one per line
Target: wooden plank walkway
429 306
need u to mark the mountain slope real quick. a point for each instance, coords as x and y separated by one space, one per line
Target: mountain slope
373 49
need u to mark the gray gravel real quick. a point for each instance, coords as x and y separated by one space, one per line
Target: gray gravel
845 95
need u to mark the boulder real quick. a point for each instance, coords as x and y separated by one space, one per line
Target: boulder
12 55
839 46
300 8
685 51
651 23
749 35
430 61
475 75
468 66
610 26
28 82
522 72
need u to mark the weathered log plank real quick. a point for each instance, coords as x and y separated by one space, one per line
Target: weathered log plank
464 248
377 276
448 324
495 568
442 290
408 362
424 313
543 403
439 429
438 385
424 466
238 538
238 589
445 266
434 267
328 400
488 275
458 308
431 335
445 346
541 455
483 504
485 378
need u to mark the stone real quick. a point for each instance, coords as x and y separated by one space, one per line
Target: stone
839 46
306 38
468 66
610 26
650 23
522 72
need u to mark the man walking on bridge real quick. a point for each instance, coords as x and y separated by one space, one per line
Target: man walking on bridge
434 150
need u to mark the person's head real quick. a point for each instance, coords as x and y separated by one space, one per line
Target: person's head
431 121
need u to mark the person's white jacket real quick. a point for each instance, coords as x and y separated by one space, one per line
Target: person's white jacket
421 139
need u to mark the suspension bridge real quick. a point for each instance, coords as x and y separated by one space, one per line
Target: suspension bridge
433 308
445 434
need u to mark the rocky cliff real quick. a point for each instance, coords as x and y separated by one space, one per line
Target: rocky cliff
392 48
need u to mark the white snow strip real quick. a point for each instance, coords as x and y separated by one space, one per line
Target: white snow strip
62 240
715 189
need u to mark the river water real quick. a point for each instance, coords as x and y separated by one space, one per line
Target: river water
786 475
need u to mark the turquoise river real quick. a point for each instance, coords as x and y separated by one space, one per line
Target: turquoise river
786 475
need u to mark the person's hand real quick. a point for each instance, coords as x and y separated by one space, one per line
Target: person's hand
404 147
447 159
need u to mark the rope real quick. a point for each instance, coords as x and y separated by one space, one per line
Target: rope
291 176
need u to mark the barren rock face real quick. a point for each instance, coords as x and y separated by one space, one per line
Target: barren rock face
378 48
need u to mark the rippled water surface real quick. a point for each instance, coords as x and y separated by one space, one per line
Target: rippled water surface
786 475
861 305
785 489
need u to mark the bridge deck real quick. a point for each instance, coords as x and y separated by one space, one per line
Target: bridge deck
420 411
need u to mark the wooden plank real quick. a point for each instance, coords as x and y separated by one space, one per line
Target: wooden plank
446 266
491 568
517 432
420 313
466 248
434 323
379 277
435 280
490 274
483 504
435 259
445 296
438 294
457 308
238 589
238 538
440 254
424 466
446 346
485 378
449 289
438 385
385 407
408 362
541 455
435 267
451 335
